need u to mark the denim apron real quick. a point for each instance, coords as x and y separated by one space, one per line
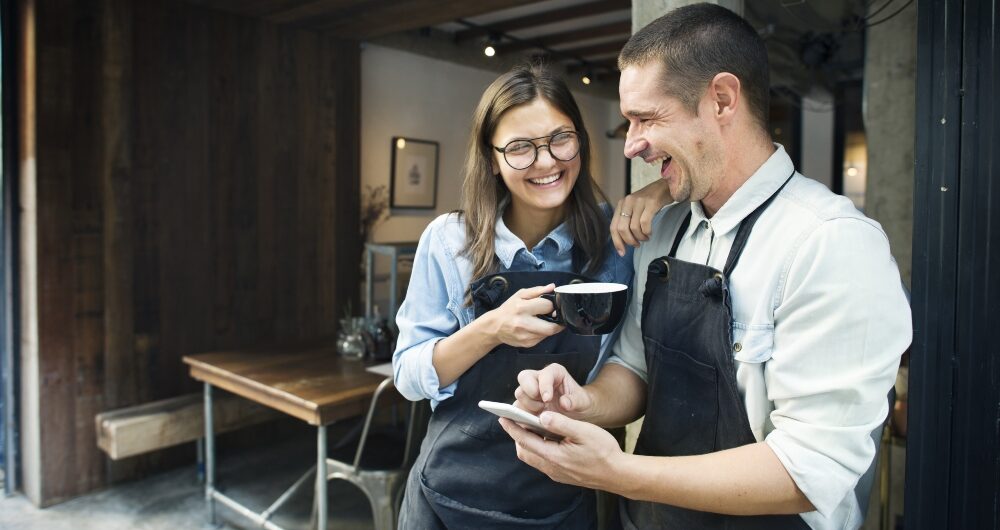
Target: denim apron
693 404
467 474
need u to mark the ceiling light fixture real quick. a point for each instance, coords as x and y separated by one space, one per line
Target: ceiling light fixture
491 42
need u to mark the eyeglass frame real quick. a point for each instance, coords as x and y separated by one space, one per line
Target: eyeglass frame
503 150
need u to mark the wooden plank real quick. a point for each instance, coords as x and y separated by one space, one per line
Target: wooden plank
28 253
368 21
345 135
160 424
546 17
623 28
173 208
603 48
313 384
121 386
302 10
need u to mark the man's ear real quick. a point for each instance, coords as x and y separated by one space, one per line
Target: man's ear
725 93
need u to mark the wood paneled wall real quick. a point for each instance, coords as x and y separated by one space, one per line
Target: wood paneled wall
196 187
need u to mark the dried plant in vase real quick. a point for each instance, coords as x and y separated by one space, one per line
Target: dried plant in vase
374 203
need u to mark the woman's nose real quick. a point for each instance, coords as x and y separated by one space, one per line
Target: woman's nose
544 157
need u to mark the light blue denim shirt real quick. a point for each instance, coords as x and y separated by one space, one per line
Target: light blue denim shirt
435 308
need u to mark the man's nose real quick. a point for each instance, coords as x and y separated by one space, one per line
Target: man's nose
634 145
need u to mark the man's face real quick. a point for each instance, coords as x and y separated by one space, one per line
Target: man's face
663 132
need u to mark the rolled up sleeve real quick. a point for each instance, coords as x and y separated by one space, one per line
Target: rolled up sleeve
841 324
426 316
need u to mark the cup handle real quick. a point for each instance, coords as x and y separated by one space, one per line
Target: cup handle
551 297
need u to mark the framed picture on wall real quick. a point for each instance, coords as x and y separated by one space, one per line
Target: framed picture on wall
413 182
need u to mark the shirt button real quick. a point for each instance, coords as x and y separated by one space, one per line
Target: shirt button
737 347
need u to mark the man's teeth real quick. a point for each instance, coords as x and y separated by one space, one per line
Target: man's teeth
658 161
545 180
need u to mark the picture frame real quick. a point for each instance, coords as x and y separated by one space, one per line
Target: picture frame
413 179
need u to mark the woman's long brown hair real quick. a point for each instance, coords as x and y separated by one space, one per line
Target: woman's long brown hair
484 194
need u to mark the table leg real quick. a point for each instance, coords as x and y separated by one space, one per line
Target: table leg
209 454
321 478
369 288
393 286
200 467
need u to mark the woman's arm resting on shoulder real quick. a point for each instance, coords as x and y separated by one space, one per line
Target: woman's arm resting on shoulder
633 218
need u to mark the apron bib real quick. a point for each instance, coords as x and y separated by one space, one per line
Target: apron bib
692 394
468 474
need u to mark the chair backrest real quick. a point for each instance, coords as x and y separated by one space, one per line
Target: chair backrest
415 429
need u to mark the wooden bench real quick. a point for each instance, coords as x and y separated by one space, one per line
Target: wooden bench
160 424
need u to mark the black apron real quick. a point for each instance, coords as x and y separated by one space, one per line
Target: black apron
693 404
468 474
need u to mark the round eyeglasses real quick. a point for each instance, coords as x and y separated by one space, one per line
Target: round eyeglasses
520 154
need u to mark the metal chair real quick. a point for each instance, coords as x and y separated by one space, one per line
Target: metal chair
381 460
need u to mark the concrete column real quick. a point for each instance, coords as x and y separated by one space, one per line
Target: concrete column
643 13
888 108
642 173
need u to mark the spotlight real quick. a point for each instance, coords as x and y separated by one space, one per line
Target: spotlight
586 78
491 42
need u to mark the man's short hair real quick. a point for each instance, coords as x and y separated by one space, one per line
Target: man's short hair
696 42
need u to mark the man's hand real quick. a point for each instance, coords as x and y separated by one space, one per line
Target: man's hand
633 217
551 388
586 456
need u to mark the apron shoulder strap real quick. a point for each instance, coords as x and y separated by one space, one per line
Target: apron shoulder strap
680 234
746 226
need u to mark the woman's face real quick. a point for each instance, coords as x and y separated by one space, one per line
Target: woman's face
546 183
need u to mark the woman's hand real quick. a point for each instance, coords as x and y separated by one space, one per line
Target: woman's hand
633 217
516 322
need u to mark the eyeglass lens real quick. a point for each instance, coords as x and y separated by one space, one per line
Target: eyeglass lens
520 154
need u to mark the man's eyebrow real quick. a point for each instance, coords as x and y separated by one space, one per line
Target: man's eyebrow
638 113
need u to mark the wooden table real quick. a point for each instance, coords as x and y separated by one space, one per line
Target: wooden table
311 383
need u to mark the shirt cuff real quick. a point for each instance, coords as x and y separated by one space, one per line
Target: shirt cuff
822 480
428 375
615 359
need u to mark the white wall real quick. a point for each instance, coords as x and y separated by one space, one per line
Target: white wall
817 138
404 94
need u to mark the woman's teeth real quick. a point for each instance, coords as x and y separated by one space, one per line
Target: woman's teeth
545 180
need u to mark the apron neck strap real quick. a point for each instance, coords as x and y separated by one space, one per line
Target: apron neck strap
746 226
741 236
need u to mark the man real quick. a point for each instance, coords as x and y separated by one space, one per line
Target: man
767 318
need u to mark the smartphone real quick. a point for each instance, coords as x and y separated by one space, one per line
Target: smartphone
526 419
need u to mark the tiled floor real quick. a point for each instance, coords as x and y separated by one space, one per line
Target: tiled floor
175 500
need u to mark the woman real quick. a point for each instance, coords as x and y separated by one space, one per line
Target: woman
530 220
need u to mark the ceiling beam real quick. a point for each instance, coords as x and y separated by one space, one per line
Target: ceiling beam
308 9
374 18
545 17
606 64
603 48
614 29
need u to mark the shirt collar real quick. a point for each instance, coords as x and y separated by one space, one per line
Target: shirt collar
506 244
757 189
